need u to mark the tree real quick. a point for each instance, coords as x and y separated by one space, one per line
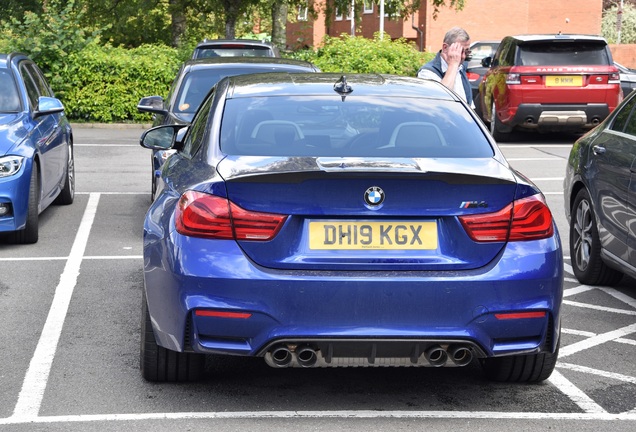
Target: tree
609 28
279 23
16 8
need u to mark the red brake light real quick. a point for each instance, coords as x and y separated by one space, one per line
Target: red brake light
202 215
472 76
526 219
513 78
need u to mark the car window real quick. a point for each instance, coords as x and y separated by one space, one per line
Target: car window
196 84
620 120
40 81
359 127
505 53
233 51
483 50
33 92
196 134
9 96
553 53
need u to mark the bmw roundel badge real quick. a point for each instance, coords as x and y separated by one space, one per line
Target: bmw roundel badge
374 196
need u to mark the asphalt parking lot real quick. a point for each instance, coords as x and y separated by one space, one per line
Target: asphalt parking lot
70 308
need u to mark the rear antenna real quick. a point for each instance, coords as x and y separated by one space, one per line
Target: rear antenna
342 87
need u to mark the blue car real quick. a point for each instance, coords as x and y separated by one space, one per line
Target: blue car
317 220
36 151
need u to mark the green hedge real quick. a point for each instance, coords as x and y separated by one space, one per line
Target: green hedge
349 54
104 84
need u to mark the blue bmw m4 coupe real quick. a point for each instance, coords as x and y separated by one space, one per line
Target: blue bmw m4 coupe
318 220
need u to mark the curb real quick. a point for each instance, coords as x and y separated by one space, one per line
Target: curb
111 125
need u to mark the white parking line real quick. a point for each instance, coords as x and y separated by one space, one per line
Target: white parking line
575 394
587 370
600 308
619 296
64 258
596 340
362 414
34 384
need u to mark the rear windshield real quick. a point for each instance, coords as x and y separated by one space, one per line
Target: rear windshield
356 127
9 98
197 84
233 51
562 54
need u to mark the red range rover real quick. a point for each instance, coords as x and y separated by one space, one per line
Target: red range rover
548 83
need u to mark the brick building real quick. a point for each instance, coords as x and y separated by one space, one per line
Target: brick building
482 19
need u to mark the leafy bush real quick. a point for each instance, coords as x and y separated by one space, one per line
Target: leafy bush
628 27
48 38
350 54
104 84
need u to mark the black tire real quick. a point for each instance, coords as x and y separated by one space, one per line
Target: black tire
67 195
498 131
585 245
159 364
30 233
532 368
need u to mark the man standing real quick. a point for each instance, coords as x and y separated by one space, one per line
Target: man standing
447 66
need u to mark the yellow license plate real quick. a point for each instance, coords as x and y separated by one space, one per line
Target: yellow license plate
564 81
386 235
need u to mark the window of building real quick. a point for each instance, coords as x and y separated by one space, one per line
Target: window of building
302 13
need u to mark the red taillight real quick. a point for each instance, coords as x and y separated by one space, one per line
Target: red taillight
202 215
472 76
526 219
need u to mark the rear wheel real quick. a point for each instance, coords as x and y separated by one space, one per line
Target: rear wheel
30 232
159 364
67 195
585 245
498 131
531 368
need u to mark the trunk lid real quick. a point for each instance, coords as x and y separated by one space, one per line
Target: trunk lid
336 223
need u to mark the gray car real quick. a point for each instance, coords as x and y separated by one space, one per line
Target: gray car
600 199
192 84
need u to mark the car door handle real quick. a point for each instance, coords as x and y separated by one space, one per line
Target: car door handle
598 150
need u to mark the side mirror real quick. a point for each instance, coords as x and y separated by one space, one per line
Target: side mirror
163 137
486 62
152 104
48 105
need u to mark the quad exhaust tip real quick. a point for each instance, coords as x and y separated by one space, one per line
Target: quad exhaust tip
304 355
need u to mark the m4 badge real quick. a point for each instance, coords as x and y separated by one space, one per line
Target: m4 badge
473 204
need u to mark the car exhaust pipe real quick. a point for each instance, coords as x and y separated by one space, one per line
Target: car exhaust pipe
460 355
436 356
281 357
306 357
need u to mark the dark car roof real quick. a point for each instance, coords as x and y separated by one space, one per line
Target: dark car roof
213 42
324 84
247 62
